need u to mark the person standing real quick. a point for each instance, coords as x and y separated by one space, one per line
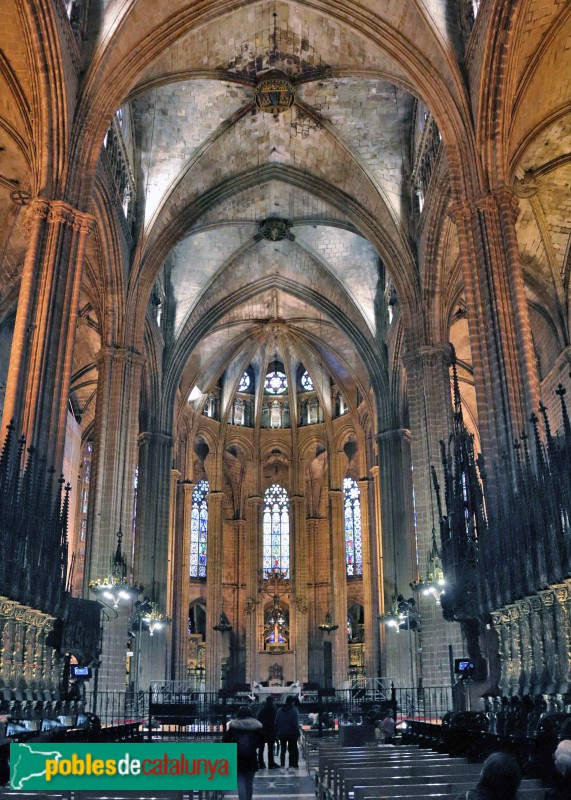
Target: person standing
246 732
287 731
389 727
267 716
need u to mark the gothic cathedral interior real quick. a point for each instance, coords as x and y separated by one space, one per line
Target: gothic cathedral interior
285 298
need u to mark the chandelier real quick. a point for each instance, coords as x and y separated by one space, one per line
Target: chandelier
155 620
393 619
274 93
115 586
224 624
328 625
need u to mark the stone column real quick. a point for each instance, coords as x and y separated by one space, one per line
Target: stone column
112 492
237 612
515 648
252 603
314 617
378 570
562 635
371 613
182 571
173 594
214 642
499 622
526 647
549 642
538 674
505 370
152 547
399 547
338 588
37 390
430 408
300 558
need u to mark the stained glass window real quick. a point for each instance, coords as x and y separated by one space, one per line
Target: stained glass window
276 530
199 530
244 384
306 382
353 540
275 383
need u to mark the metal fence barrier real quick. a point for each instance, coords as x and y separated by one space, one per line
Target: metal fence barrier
202 715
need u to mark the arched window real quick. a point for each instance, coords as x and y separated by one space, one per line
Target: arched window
276 530
199 530
306 382
244 384
353 540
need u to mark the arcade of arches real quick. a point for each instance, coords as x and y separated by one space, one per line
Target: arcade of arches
237 238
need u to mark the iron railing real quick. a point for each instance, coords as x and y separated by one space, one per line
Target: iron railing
203 715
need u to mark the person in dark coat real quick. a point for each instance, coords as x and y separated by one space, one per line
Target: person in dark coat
562 759
499 779
246 732
267 716
287 731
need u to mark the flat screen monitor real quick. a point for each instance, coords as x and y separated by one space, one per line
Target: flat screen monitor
463 666
80 672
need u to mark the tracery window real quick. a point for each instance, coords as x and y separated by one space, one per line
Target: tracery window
276 531
276 382
306 382
199 530
244 384
353 537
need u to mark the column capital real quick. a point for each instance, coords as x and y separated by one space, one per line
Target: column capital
58 212
108 353
375 471
426 352
154 437
394 434
297 499
215 496
175 473
254 500
500 197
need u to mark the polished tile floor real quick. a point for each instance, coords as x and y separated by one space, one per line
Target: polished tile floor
291 784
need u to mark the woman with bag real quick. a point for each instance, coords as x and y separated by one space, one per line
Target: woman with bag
246 733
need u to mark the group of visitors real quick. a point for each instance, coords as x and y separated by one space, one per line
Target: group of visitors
385 729
499 780
252 735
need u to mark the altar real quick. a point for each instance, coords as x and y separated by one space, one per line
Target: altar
263 692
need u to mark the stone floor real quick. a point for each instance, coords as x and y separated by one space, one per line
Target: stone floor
291 784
